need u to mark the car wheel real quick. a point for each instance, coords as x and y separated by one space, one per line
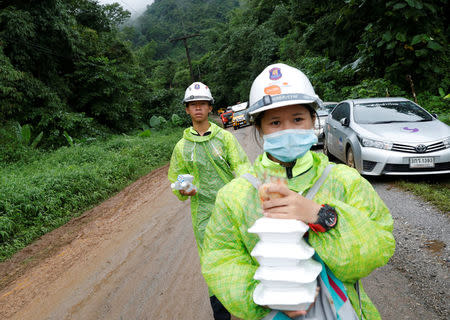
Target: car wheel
350 158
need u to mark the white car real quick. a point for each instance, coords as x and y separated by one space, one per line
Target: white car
387 136
321 119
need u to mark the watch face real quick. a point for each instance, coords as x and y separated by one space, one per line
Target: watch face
327 217
330 219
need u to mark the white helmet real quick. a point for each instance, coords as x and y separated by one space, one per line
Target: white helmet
280 85
197 92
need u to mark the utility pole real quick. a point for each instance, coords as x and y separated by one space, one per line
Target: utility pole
184 38
411 83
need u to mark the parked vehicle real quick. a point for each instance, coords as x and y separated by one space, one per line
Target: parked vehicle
239 120
226 118
328 106
220 111
322 113
391 136
239 106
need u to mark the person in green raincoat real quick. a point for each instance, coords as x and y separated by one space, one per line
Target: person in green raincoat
351 227
214 157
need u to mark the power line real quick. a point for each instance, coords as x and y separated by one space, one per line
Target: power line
43 49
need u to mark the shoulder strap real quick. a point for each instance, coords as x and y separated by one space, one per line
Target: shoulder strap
252 179
359 298
312 192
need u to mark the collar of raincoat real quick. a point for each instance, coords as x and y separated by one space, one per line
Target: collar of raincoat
302 165
189 133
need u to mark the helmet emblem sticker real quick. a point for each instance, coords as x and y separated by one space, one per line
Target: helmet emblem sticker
275 73
410 130
272 90
197 86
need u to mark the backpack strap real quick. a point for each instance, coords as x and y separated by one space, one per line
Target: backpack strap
252 179
312 192
359 298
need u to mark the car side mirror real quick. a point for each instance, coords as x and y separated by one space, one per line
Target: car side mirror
434 115
345 122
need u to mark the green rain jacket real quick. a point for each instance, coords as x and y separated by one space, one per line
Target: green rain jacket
214 160
361 241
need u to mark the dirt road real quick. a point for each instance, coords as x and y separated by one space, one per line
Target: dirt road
134 257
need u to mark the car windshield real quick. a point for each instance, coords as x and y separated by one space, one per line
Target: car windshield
329 106
323 112
388 112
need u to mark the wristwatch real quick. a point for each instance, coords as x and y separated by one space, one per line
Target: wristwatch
327 219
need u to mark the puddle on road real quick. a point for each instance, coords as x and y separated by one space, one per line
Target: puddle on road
434 245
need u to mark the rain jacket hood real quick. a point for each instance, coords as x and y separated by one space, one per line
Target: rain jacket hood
228 267
214 160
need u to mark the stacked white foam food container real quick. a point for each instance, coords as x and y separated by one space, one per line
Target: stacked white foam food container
287 272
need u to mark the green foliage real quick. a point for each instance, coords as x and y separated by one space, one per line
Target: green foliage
328 77
11 150
170 19
162 121
23 135
64 67
157 122
434 104
40 195
68 138
176 120
145 133
369 88
405 38
107 92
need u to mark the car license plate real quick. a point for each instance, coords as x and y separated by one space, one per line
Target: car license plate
421 162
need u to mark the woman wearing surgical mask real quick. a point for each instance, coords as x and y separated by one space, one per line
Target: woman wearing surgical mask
351 228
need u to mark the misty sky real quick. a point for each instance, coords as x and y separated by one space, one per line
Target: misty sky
134 6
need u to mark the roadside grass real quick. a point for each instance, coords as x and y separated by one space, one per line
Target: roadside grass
47 190
435 190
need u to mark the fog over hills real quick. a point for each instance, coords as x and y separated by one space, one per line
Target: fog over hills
136 7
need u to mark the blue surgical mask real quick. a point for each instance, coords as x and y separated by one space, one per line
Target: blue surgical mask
288 145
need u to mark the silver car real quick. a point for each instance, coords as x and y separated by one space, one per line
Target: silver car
391 136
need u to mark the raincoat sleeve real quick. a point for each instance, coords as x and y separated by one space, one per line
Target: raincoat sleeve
362 239
226 264
236 156
177 167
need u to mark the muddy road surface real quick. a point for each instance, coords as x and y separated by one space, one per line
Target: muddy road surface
134 257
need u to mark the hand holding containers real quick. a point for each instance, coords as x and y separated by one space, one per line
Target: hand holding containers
184 182
287 272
